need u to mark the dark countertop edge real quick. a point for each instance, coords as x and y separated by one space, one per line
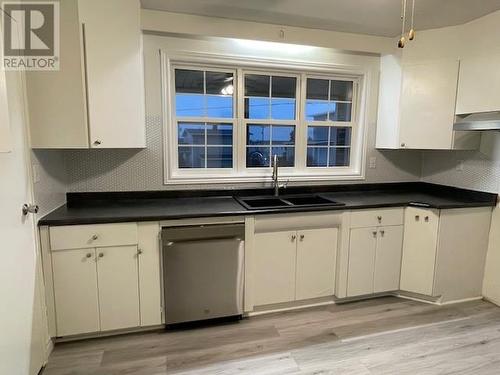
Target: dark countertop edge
118 219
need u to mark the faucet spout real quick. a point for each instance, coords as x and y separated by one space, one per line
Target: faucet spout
276 185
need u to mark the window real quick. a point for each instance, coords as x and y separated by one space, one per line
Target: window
229 123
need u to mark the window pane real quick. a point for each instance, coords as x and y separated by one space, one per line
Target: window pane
317 111
219 157
317 89
341 90
191 157
286 156
219 106
339 157
258 157
191 134
218 134
189 105
283 135
317 156
283 87
283 109
340 136
258 135
219 83
257 85
317 136
257 108
340 112
189 81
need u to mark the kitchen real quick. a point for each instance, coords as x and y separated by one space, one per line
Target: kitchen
266 187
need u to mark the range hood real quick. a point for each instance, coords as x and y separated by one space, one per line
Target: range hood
477 122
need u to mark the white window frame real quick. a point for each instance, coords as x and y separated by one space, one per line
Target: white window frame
246 65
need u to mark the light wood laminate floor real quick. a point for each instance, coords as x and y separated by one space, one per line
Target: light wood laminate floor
380 336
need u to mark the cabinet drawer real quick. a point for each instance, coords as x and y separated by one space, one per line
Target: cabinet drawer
372 218
88 236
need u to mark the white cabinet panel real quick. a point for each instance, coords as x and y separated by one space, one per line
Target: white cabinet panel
388 259
149 273
274 266
373 218
428 105
479 85
115 74
118 287
5 140
316 254
419 250
75 291
363 242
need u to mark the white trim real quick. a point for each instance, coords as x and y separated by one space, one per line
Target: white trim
239 173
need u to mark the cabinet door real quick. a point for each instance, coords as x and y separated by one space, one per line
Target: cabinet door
75 291
118 287
362 244
479 85
115 76
274 267
388 259
428 105
419 250
316 254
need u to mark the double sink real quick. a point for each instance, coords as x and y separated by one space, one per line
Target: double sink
286 201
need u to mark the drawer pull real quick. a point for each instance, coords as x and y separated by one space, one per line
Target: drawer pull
426 219
379 218
302 237
293 237
382 232
95 237
139 251
88 255
101 255
417 217
374 233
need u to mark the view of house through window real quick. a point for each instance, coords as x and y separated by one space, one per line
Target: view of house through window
306 120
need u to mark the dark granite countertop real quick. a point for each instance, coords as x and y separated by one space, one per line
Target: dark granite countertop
94 208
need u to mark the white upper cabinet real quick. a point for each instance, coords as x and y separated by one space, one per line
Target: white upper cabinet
479 85
96 99
417 106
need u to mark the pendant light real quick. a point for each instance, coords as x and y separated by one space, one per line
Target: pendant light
411 34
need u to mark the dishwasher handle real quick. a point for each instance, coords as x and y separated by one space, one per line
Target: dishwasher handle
171 243
202 232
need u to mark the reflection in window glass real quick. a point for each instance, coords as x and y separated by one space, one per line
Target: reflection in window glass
210 145
328 146
265 141
329 100
270 97
203 94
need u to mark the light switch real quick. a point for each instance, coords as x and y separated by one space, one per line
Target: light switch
372 162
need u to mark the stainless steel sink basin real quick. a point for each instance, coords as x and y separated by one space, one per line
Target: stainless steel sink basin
285 201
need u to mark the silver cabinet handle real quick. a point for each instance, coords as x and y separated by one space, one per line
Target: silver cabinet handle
426 219
293 237
403 144
417 217
30 209
382 232
139 251
88 255
97 142
101 255
95 237
302 237
379 218
374 233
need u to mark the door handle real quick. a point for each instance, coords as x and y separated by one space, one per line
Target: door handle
374 233
30 209
302 237
293 237
382 232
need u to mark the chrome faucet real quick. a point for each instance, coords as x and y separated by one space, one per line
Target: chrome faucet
276 185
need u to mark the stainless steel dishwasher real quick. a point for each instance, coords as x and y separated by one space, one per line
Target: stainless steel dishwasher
203 272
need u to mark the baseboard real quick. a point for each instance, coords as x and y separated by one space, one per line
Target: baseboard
288 306
117 332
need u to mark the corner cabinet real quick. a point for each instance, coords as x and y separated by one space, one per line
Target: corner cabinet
104 277
417 106
96 99
444 252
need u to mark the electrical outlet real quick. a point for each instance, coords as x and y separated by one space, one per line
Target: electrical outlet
460 165
372 162
36 173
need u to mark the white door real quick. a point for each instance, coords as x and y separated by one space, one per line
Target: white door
419 250
274 267
362 244
316 251
21 310
118 278
75 291
388 259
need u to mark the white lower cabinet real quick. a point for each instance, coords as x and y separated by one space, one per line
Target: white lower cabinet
109 287
374 260
118 281
274 265
294 265
75 291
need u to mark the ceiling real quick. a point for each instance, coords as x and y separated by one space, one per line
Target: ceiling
374 17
